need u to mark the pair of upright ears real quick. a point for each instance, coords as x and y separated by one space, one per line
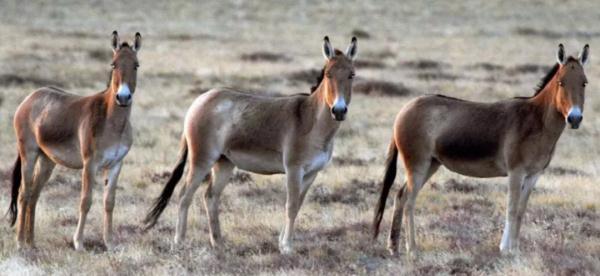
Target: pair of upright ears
116 44
329 51
583 57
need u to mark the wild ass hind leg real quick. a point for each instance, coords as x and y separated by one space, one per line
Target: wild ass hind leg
88 180
26 191
396 226
404 205
294 178
516 180
45 166
196 174
110 187
221 175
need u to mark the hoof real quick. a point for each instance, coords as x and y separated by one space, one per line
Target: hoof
78 245
285 249
412 254
216 243
110 246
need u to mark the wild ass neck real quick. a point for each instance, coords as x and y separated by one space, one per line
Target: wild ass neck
552 119
116 115
321 119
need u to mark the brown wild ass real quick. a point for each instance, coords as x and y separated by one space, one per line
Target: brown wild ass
224 129
514 138
92 133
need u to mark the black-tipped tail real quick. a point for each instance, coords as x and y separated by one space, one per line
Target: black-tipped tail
161 202
14 193
388 181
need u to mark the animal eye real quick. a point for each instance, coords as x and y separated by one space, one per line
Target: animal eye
328 75
585 84
113 66
561 83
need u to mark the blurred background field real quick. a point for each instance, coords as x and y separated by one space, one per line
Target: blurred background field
476 50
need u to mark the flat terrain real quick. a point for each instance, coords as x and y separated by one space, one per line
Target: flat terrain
477 50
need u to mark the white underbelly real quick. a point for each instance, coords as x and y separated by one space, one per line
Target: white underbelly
113 155
317 162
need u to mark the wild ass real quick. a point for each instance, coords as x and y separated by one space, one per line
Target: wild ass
92 133
224 129
514 138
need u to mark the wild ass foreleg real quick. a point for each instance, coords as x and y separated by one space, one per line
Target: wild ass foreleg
221 175
526 189
294 181
307 181
88 181
508 243
24 220
112 177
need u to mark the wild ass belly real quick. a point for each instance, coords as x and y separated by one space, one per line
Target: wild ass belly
487 167
271 162
257 161
65 154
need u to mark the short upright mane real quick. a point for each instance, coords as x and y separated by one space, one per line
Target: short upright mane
319 80
546 79
322 74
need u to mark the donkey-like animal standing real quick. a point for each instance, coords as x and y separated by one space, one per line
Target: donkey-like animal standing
92 133
514 138
224 129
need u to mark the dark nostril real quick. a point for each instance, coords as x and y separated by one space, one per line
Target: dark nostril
342 110
574 119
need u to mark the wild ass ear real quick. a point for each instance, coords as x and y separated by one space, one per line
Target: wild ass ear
115 41
584 56
560 56
352 49
328 51
137 43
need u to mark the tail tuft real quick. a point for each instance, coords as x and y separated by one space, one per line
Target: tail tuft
161 202
14 193
388 181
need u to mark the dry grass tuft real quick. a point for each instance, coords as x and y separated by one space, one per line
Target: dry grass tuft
19 80
264 56
496 53
360 34
380 88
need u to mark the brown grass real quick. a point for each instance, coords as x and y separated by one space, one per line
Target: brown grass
467 49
